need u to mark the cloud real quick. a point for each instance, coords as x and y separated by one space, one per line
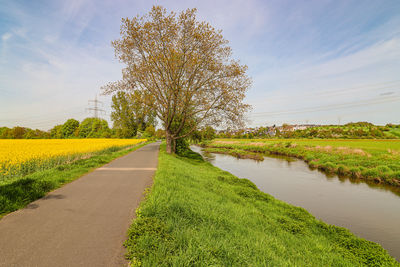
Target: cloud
354 77
6 36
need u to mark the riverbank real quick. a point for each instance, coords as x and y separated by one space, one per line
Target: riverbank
196 214
376 161
18 192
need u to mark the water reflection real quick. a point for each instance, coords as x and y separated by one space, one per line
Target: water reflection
368 210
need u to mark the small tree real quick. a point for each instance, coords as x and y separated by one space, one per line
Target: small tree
184 70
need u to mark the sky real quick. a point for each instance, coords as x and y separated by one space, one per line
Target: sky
316 62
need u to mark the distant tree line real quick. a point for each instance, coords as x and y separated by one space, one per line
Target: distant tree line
88 128
353 130
358 130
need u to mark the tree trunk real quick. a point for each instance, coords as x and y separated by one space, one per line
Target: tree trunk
170 143
174 146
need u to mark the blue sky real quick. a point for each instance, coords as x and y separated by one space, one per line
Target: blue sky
311 61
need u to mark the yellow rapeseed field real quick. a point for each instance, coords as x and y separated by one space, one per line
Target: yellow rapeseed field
19 156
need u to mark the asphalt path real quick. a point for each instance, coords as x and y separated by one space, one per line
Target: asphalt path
85 222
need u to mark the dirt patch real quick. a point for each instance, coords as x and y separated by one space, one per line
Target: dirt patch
393 152
257 144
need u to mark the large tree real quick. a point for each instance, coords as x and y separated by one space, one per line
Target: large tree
185 70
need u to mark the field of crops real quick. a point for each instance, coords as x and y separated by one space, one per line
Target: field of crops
21 157
371 160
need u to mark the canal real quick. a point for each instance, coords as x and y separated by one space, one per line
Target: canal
369 211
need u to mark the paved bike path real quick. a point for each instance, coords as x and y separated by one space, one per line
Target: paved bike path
85 222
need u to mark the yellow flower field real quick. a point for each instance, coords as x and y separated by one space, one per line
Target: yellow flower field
21 156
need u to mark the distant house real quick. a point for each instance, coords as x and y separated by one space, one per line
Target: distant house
299 127
271 131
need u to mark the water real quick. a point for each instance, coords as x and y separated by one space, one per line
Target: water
371 212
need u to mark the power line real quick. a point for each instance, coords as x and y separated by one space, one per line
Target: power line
96 108
329 107
332 117
349 90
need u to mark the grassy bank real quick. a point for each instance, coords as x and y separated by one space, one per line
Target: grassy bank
371 160
198 215
238 153
16 193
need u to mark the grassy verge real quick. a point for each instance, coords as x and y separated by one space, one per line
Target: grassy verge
198 215
372 160
17 193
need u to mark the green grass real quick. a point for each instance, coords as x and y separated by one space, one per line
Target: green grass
395 132
198 215
375 161
238 153
16 193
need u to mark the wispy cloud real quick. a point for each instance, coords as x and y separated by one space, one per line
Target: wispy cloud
6 36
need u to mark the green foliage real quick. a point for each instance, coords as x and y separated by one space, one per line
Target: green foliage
149 132
69 127
22 133
160 134
199 215
182 146
208 133
56 132
36 134
3 131
94 128
85 128
130 114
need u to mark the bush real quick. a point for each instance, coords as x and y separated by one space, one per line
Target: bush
182 147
